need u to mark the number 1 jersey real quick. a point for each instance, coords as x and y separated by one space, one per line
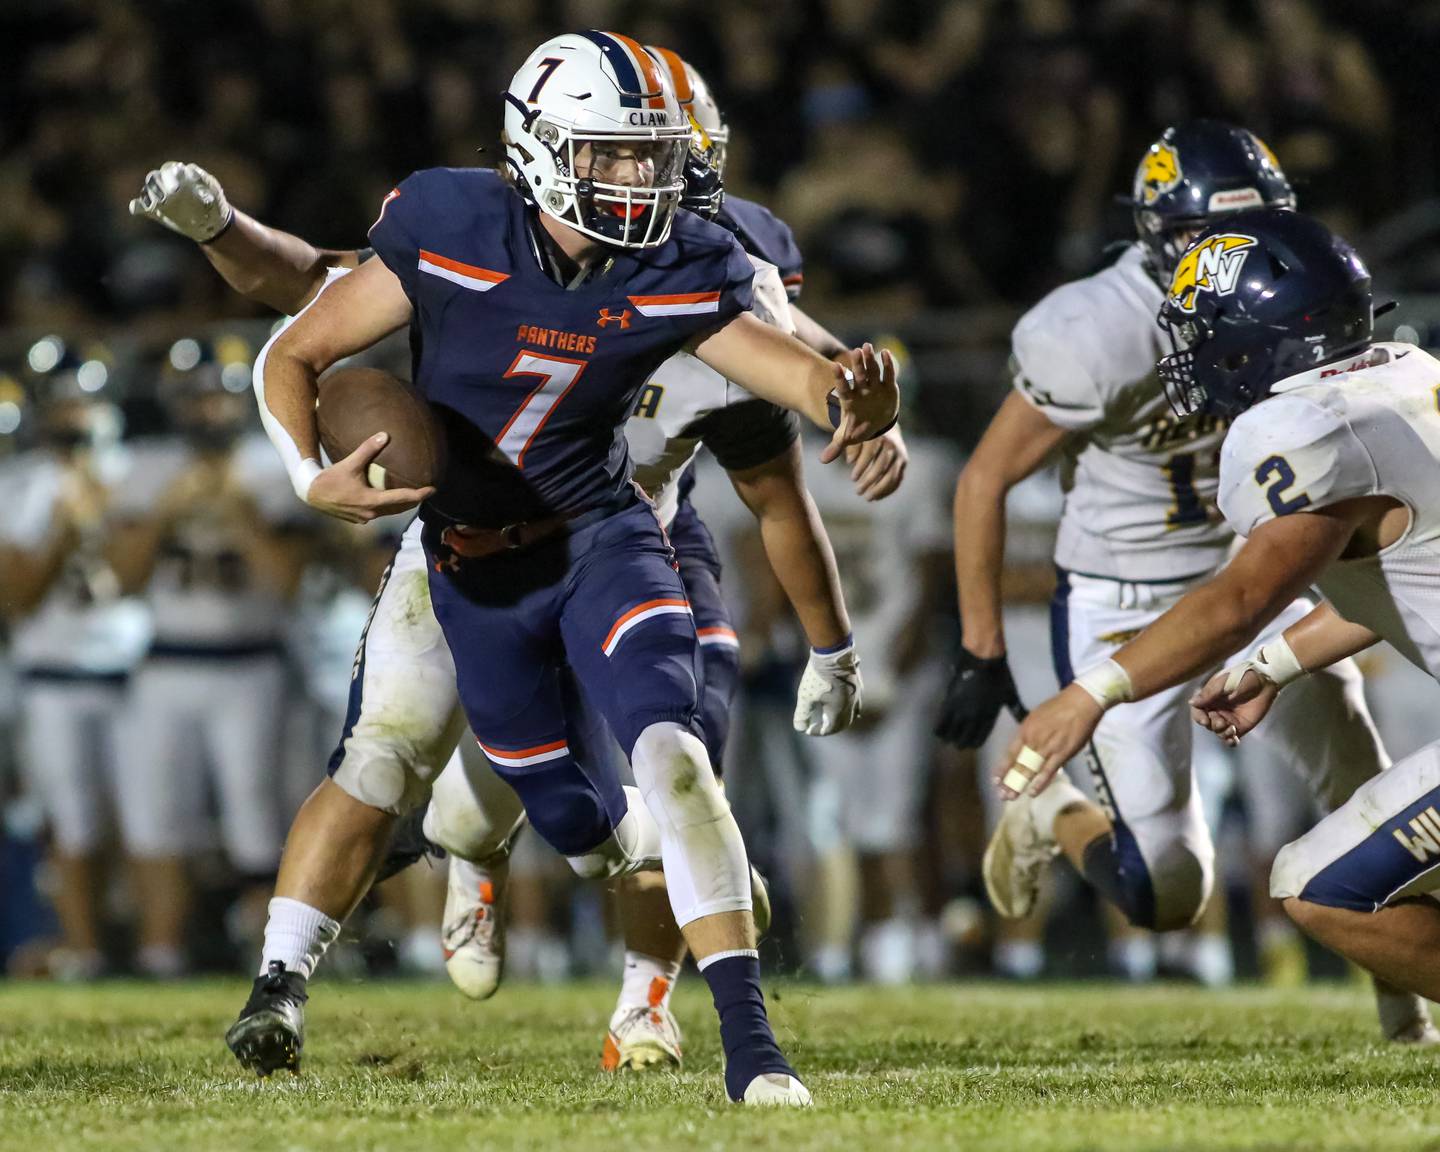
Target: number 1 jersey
1139 483
534 381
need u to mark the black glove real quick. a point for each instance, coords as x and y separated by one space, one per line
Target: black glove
978 690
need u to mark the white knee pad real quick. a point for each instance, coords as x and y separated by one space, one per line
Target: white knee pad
634 846
1293 868
706 870
472 812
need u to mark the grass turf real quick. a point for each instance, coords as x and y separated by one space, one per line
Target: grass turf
394 1067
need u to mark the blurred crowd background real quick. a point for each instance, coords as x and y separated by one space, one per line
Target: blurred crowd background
943 164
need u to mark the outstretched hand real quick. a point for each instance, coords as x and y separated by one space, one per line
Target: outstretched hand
1046 739
1231 710
868 396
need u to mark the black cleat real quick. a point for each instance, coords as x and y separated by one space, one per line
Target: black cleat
408 843
271 1029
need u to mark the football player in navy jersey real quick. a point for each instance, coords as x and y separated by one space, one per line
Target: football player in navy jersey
468 814
540 520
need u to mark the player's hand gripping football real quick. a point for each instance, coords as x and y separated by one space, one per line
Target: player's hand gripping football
831 693
343 491
1233 701
978 689
868 396
1046 739
186 199
878 466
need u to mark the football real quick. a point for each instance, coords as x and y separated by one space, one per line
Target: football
356 403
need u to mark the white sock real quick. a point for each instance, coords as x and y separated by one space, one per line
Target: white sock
1055 799
297 935
647 982
1399 1011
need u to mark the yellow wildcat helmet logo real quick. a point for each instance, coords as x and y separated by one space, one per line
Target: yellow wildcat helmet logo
1159 172
1213 265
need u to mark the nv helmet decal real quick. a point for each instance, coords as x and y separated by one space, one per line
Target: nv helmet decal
1214 265
1159 173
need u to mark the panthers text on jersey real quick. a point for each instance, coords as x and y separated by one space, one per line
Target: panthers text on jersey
1370 427
1140 484
532 380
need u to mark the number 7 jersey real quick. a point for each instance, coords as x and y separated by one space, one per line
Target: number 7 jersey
1367 428
1139 483
534 381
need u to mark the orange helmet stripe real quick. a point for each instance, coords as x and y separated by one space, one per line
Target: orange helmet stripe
678 77
645 65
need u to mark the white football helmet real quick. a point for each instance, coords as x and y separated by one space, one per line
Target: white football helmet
705 167
595 138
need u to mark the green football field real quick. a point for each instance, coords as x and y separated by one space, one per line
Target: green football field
413 1066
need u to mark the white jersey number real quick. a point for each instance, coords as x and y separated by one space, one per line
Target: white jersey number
557 377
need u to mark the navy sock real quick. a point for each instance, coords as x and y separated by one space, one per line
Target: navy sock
750 1048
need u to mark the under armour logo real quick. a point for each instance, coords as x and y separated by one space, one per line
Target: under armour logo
605 318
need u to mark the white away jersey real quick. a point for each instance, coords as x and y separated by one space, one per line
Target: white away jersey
83 625
1370 428
880 547
201 593
1139 483
663 431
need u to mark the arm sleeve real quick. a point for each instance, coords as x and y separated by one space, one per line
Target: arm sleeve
771 304
296 467
738 293
1046 371
747 434
1289 455
395 234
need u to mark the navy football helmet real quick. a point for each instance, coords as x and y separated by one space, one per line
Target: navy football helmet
73 395
1257 298
204 388
1196 172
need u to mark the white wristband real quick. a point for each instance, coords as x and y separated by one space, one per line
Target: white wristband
1274 662
1107 683
303 475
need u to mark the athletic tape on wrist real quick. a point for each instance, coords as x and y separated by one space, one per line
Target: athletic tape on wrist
303 475
1275 662
1108 684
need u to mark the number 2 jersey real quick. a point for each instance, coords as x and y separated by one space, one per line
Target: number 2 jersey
1367 428
532 380
1139 483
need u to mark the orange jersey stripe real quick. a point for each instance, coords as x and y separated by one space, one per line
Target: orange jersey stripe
679 298
639 608
463 269
516 753
715 631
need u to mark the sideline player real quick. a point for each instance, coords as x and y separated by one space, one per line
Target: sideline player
1137 532
683 404
1331 472
215 541
76 637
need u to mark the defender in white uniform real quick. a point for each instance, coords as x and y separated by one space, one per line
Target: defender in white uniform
1332 473
1138 531
76 637
214 546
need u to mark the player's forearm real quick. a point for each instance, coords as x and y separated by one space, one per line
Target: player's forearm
286 387
772 365
1324 637
1196 635
272 267
796 546
810 332
980 560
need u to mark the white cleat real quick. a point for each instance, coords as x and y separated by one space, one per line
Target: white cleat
473 934
1015 859
1420 1034
776 1090
641 1038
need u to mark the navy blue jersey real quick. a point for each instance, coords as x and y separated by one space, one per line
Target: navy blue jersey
532 381
768 237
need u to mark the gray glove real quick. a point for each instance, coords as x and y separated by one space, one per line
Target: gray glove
186 199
